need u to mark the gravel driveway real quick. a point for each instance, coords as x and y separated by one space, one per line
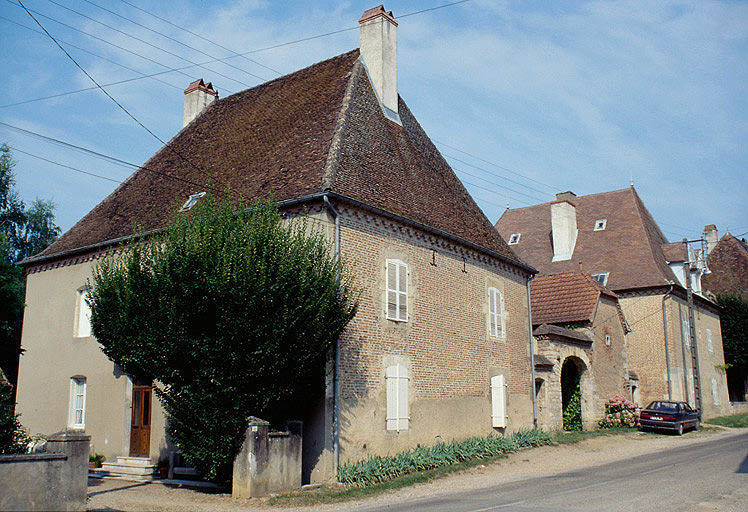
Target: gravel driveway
546 460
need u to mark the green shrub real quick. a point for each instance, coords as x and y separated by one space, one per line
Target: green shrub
573 411
378 469
13 437
619 412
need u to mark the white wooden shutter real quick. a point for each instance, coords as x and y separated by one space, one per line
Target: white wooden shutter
685 334
715 393
77 414
397 291
397 397
499 314
84 314
492 311
498 401
709 340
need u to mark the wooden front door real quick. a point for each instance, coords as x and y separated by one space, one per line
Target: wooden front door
140 425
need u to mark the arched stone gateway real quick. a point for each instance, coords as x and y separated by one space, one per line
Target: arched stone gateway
571 393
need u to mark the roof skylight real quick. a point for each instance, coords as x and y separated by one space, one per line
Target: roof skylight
191 201
514 239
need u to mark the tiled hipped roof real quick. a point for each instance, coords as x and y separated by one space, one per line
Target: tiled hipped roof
565 297
728 263
629 248
318 129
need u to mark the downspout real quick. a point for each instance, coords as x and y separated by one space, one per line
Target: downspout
532 355
667 351
336 368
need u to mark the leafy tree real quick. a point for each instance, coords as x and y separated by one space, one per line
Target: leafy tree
233 314
13 437
734 321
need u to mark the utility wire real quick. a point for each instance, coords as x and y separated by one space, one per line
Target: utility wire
164 143
200 37
65 166
171 39
456 169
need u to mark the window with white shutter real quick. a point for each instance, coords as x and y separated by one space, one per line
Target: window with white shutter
396 377
684 332
496 313
397 291
77 410
715 393
709 340
498 401
83 320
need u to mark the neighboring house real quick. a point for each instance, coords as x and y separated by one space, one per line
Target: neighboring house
727 261
439 347
580 335
613 237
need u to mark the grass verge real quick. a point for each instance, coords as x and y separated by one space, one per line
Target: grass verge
572 437
734 420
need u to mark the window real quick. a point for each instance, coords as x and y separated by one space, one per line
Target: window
191 201
607 340
715 393
396 378
397 291
83 319
498 401
496 313
684 332
514 239
600 224
77 410
601 277
709 340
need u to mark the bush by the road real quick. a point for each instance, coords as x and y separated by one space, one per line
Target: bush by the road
620 412
378 469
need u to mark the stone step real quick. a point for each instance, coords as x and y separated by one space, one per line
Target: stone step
134 461
128 469
103 473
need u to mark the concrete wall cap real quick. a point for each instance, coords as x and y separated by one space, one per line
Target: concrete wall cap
69 435
255 421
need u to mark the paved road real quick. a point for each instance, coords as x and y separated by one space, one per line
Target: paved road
709 476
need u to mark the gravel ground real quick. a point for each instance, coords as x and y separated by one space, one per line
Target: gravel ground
546 460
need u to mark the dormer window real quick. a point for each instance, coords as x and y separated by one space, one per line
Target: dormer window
601 277
191 201
600 224
514 239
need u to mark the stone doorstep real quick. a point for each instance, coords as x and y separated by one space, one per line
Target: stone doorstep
135 461
102 473
129 467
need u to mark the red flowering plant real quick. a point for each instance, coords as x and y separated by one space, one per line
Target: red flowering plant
620 412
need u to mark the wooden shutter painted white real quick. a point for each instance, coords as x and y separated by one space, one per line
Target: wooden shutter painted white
397 397
715 393
397 291
499 314
498 401
709 340
492 310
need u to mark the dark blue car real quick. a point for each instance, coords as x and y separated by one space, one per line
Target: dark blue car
665 415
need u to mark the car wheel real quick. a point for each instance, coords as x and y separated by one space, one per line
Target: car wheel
680 429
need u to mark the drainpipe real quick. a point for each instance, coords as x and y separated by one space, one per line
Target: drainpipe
532 355
667 351
336 369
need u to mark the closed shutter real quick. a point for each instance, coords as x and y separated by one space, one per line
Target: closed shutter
709 340
495 312
715 393
684 333
397 397
498 401
84 314
77 414
397 291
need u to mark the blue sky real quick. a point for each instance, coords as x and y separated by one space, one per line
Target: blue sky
524 99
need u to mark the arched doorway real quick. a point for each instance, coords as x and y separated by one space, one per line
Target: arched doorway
571 393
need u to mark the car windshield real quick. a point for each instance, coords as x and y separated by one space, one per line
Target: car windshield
663 406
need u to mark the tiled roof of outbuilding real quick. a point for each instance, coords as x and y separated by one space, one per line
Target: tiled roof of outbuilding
316 130
629 248
565 297
675 252
728 263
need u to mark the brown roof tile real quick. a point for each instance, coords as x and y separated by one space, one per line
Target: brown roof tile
565 297
318 129
728 263
675 252
555 330
629 248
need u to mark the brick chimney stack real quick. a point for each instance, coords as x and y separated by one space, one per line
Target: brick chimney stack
379 55
197 97
564 226
712 237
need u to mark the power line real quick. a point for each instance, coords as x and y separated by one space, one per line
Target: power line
63 165
145 42
171 39
496 185
199 36
110 96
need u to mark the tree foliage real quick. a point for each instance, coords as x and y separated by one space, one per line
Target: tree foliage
734 322
233 314
13 437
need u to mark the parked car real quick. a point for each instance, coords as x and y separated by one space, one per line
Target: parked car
669 416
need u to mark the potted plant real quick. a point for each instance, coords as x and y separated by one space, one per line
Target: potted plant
94 461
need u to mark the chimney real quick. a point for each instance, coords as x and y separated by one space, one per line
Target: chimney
564 226
568 195
197 96
712 237
379 54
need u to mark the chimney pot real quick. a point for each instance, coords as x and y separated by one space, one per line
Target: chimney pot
378 32
197 97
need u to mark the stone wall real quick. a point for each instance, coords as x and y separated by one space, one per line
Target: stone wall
54 480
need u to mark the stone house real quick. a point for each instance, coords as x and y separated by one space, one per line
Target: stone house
439 347
580 343
674 347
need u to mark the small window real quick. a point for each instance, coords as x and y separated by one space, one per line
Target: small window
514 239
715 392
498 401
607 339
77 410
83 314
397 291
601 277
396 378
600 224
496 313
191 201
709 340
684 332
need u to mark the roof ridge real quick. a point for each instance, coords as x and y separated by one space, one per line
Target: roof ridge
332 163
